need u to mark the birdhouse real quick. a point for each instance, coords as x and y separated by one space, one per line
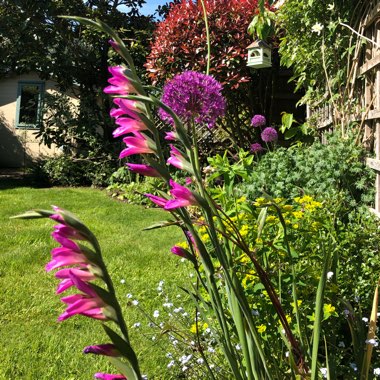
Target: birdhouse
259 55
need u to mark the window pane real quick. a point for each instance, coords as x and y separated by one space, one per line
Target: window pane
29 103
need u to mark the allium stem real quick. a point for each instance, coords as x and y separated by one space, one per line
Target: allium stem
207 37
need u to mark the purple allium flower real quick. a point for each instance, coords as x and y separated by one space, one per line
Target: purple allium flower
269 135
258 121
193 95
256 148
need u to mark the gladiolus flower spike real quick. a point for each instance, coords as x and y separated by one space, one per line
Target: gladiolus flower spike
106 376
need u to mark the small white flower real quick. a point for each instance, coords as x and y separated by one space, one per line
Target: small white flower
255 312
191 275
329 275
184 368
178 296
156 314
287 354
238 347
376 371
341 344
169 355
151 324
162 324
317 28
200 361
330 7
135 302
167 304
183 260
171 364
144 377
208 330
373 342
185 358
365 319
178 310
185 314
136 325
129 295
353 366
159 289
175 342
153 337
324 372
122 281
161 283
210 349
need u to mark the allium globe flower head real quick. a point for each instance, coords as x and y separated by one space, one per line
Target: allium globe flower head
258 121
193 95
256 148
269 135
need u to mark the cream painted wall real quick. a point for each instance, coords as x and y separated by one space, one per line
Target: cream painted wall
18 147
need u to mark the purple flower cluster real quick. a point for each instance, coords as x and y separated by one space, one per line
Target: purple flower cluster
258 121
256 148
269 135
193 95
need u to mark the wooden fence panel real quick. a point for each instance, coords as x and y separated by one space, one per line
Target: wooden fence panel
368 112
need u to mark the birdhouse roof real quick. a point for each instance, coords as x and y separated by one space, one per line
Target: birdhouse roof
259 43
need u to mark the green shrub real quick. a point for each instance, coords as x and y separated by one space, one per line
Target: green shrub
333 170
68 171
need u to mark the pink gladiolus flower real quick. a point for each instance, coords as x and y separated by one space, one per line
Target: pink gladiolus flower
63 256
67 232
128 125
178 160
143 170
67 282
106 376
157 200
137 144
179 251
64 241
102 349
126 107
182 197
120 84
171 136
88 304
57 217
114 44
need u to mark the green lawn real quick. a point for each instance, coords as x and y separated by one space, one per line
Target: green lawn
35 346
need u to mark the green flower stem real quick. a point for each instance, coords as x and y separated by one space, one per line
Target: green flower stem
319 314
207 37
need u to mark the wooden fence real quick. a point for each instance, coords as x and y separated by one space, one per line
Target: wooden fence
367 87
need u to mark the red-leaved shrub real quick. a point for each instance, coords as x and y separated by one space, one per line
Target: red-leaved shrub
180 41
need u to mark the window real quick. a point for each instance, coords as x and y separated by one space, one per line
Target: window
29 104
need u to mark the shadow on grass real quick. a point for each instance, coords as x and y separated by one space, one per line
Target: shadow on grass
14 181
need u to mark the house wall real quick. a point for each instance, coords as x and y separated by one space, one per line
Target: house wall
19 147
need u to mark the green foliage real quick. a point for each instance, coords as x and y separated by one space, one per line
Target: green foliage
317 47
334 170
129 187
294 240
66 170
